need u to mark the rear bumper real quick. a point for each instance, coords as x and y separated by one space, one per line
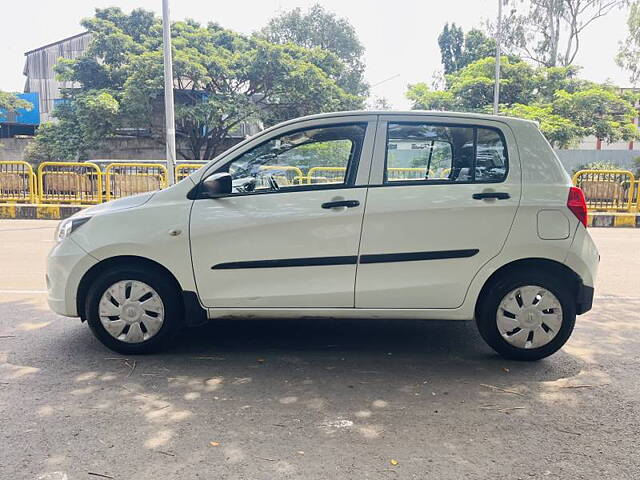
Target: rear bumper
584 300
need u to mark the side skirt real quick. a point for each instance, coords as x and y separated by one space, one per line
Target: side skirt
345 313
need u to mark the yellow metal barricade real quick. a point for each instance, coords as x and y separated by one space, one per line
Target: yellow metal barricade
17 182
636 196
284 174
69 182
186 169
398 173
125 179
303 180
326 175
607 190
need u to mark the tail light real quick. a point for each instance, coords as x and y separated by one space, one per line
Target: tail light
577 204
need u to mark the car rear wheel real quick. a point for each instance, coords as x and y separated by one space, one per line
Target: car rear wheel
133 310
527 315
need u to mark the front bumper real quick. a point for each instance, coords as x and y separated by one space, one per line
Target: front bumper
66 265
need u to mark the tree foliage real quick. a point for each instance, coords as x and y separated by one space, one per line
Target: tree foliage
221 80
319 28
457 49
10 103
560 131
84 122
629 52
548 32
566 107
451 41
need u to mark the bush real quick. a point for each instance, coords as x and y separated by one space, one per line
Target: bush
599 166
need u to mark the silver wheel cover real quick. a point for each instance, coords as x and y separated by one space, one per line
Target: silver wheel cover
529 317
131 311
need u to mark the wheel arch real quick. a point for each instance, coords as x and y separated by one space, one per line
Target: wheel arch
544 264
106 264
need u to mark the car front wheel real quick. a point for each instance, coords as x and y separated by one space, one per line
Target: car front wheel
133 310
527 315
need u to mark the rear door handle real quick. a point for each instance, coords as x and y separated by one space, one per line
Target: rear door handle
496 195
341 203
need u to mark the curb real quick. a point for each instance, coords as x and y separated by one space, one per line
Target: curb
43 212
616 220
59 212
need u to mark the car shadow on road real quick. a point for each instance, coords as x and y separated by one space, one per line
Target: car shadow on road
393 347
410 349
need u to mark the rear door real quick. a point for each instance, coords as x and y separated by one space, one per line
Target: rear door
444 192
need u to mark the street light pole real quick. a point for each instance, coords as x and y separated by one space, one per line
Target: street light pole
170 124
496 87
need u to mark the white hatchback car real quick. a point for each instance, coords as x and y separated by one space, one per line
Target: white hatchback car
420 215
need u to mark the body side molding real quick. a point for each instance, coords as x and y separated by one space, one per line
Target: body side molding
348 260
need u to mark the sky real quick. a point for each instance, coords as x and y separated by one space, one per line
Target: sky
400 36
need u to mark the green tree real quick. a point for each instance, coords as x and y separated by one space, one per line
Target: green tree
560 131
471 88
83 123
566 107
221 79
629 51
451 42
600 111
548 32
10 103
49 145
457 49
478 45
319 28
423 98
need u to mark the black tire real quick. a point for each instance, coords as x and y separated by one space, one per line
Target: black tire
488 308
156 279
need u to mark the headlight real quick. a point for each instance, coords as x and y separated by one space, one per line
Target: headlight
68 226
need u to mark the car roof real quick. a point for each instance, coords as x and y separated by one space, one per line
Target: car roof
416 113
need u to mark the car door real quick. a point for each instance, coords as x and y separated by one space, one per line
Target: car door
444 193
288 235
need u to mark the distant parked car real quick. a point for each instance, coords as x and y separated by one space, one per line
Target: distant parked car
346 215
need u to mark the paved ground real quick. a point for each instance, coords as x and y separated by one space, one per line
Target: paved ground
312 400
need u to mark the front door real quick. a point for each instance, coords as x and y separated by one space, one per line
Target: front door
443 197
288 235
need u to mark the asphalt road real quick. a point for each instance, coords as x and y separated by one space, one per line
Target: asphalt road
316 399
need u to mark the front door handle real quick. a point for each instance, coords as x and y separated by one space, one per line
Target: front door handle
496 195
341 203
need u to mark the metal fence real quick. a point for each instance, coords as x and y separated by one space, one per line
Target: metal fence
83 183
69 182
17 182
186 169
326 175
284 174
125 179
607 190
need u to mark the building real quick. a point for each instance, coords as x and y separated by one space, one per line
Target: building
41 78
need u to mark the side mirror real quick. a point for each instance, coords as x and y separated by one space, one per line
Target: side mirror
216 185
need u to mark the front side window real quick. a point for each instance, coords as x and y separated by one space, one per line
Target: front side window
444 153
319 157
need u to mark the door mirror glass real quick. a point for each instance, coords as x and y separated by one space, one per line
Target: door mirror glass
217 185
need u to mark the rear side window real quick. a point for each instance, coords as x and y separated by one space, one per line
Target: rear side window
436 153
